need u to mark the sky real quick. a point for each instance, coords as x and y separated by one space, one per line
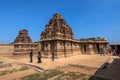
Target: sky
87 18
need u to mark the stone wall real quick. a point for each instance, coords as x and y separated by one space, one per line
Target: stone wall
6 48
25 48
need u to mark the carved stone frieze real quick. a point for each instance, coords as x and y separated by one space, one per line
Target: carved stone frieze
57 28
22 37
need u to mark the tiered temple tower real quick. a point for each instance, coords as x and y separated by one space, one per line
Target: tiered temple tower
58 40
23 43
56 37
57 28
23 37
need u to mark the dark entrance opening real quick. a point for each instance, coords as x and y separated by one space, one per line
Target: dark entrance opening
85 48
118 50
98 49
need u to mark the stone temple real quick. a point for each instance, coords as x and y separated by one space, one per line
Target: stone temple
57 39
23 43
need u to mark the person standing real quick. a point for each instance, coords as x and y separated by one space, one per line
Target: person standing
39 57
52 56
113 52
31 55
102 52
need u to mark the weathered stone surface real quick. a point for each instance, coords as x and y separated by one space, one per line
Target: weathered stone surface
24 44
57 39
6 48
23 37
57 28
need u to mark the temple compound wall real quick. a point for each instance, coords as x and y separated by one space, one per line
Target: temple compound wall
66 48
58 40
6 49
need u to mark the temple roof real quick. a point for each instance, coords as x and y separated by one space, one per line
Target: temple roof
22 37
57 28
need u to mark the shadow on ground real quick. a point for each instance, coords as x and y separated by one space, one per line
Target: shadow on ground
108 71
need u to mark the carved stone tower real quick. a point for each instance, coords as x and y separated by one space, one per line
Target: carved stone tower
23 43
23 37
56 37
57 28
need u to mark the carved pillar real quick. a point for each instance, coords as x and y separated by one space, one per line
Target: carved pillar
80 51
64 48
49 50
39 46
91 49
71 48
56 48
52 47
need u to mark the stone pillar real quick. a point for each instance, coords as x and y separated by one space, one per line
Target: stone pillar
56 48
71 48
91 49
49 50
80 50
39 46
64 48
115 47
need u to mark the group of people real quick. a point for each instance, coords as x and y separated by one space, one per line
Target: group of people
102 52
109 51
114 52
39 56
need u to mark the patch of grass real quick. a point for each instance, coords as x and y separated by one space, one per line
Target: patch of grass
77 76
96 78
24 68
72 76
42 76
7 72
14 70
4 59
57 75
3 72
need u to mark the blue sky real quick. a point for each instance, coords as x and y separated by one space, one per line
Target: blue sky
88 18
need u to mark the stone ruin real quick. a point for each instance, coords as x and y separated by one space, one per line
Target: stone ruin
24 44
58 39
57 28
23 37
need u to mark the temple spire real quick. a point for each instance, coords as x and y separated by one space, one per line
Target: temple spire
22 37
57 28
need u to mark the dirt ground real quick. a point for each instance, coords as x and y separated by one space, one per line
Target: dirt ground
17 75
87 60
94 61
